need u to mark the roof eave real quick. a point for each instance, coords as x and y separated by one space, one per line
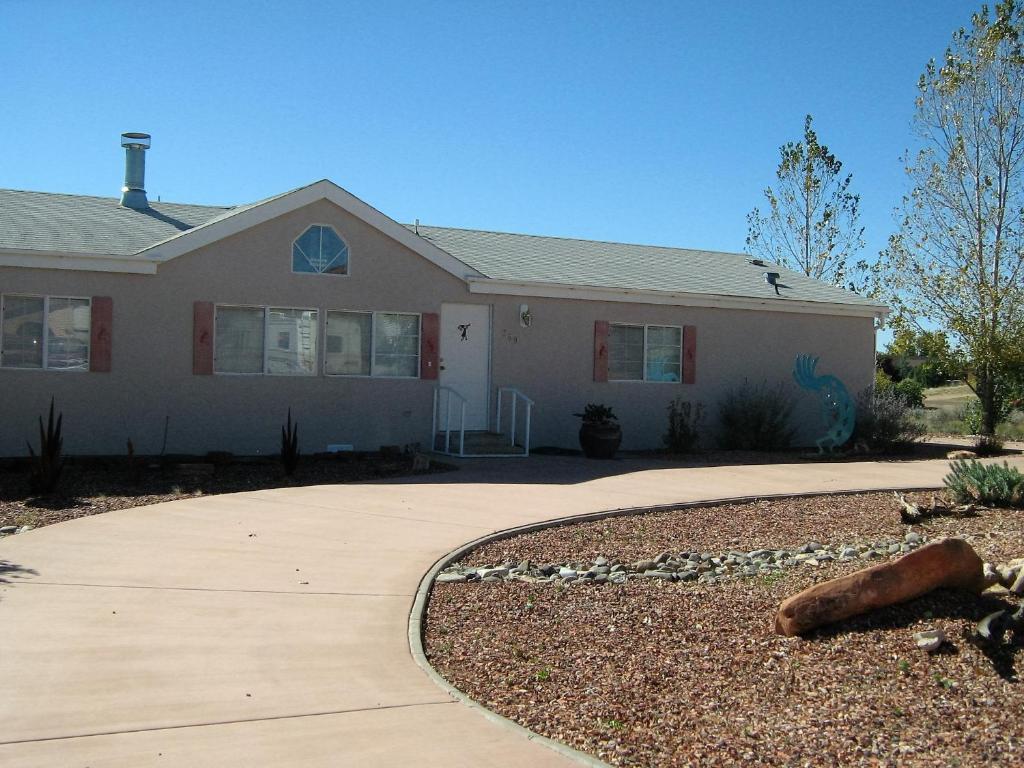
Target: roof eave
82 262
680 299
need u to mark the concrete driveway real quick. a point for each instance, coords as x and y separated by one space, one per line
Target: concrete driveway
270 628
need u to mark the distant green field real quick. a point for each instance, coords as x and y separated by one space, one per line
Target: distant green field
944 408
955 395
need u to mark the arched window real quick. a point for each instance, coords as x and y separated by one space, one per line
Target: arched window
320 250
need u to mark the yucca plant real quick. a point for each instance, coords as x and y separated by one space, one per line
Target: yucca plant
970 481
290 446
683 424
47 465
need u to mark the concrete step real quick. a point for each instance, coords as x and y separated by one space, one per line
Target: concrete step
481 444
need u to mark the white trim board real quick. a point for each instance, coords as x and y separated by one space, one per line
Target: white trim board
636 296
83 262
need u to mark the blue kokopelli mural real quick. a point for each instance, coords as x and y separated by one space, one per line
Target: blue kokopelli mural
837 406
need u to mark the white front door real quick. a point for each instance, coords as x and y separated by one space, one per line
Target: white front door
466 359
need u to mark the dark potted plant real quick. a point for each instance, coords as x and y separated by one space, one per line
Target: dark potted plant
600 434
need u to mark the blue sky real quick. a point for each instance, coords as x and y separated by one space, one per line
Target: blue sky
633 121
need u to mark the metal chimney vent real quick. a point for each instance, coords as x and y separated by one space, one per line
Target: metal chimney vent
133 193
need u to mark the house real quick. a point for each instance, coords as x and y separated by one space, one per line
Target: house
189 328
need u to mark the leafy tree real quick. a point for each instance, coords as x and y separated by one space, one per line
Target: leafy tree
958 257
907 341
939 362
812 224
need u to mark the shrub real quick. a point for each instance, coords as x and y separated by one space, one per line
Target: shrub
756 418
883 382
884 420
47 466
990 484
290 446
972 416
912 392
683 422
595 413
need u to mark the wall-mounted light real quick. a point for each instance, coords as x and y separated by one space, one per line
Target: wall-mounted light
525 318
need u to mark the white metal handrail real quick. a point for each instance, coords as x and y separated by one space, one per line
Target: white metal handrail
516 397
448 420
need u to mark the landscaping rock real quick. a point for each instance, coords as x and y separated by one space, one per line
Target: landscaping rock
1018 585
948 563
997 590
954 455
486 573
450 578
930 639
990 574
1007 574
992 626
9 529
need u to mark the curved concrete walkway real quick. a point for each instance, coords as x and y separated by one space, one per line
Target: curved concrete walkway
270 628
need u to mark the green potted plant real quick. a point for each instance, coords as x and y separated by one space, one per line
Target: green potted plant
600 434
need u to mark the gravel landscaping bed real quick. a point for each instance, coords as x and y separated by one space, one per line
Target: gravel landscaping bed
656 671
96 486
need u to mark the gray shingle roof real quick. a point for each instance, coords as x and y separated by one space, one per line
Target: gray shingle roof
44 221
48 222
564 261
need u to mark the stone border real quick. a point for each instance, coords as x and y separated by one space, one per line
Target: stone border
421 600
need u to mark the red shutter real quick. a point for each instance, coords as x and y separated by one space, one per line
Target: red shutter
689 354
430 332
202 338
101 328
600 350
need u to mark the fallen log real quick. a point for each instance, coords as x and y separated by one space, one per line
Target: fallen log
950 563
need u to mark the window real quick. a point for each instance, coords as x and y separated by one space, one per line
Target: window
664 353
626 352
348 343
396 344
373 344
50 332
265 340
645 353
320 250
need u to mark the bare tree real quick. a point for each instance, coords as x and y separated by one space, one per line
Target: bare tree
958 258
812 222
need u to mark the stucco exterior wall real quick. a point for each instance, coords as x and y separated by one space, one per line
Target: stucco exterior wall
151 385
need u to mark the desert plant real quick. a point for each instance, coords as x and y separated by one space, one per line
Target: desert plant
131 461
683 422
48 464
595 413
756 418
600 434
970 481
290 446
885 420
